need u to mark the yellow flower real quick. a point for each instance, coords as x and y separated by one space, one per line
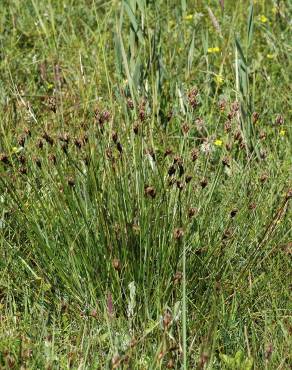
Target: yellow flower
16 150
218 142
262 18
188 17
219 80
270 56
282 133
213 50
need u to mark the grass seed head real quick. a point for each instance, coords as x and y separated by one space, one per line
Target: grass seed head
167 318
279 120
192 212
178 233
194 154
150 191
255 117
117 264
203 183
4 158
171 170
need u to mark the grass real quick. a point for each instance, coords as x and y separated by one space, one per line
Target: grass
145 189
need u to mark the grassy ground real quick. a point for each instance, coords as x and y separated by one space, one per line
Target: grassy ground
145 161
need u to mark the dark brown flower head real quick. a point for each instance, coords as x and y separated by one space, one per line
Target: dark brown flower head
38 162
23 170
199 124
119 147
181 169
177 160
194 154
64 137
192 212
252 206
71 181
226 161
142 114
78 142
222 105
228 146
22 159
179 185
235 106
109 153
40 144
255 117
169 115
227 234
263 135
192 97
136 129
177 277
178 233
167 318
263 154
233 213
242 145
204 183
21 140
188 178
102 116
150 191
4 158
151 152
48 138
52 103
227 126
106 116
117 264
238 136
168 152
171 170
27 131
130 104
264 177
86 160
171 182
279 120
64 147
115 137
52 158
185 128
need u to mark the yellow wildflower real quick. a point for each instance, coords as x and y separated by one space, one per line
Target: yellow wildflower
213 50
16 150
218 142
270 56
262 18
282 133
219 80
188 17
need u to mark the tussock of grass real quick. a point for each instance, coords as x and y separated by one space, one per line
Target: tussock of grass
145 189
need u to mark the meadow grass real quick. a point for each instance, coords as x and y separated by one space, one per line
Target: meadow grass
145 162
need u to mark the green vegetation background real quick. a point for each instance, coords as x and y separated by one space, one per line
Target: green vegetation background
145 182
